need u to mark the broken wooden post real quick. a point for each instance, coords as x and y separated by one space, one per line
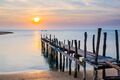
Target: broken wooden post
79 44
76 56
69 45
56 41
85 51
104 54
67 57
72 43
117 45
96 53
57 54
50 37
93 43
98 45
46 49
60 58
117 48
63 66
79 48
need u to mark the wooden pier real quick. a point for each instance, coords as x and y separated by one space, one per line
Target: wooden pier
62 55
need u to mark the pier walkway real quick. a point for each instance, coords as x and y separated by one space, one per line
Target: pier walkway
61 55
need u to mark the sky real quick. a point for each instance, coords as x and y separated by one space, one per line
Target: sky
59 14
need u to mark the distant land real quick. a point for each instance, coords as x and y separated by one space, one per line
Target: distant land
4 32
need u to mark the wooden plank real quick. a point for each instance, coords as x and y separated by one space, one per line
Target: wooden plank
112 65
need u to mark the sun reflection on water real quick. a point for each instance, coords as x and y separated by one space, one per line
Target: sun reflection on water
37 41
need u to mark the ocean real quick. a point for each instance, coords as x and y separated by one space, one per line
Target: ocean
21 51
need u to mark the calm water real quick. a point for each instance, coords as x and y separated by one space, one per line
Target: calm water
21 51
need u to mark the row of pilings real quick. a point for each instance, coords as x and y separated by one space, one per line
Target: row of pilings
61 56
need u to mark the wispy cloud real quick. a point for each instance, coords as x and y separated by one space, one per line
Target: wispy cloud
59 12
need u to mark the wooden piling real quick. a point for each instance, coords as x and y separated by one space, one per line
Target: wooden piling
98 45
79 44
97 52
46 50
117 45
60 58
50 37
85 51
93 43
117 48
72 43
76 56
79 48
43 48
56 42
69 45
104 54
63 66
67 57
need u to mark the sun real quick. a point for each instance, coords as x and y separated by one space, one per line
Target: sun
36 19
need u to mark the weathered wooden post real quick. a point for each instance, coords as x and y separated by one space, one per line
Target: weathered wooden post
46 49
56 55
69 45
85 51
46 36
67 57
63 66
41 44
79 48
117 45
60 57
96 53
77 57
50 37
98 45
104 53
51 51
72 43
93 43
79 44
117 48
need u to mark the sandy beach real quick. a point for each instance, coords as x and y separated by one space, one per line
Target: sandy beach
49 75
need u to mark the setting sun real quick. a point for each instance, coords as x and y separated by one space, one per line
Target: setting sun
36 19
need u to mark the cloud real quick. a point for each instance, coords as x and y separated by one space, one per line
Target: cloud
79 12
16 0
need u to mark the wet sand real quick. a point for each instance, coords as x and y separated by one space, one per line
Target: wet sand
49 75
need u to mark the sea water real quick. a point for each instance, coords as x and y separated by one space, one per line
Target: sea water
21 51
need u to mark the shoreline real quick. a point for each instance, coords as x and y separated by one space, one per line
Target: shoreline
52 75
5 32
